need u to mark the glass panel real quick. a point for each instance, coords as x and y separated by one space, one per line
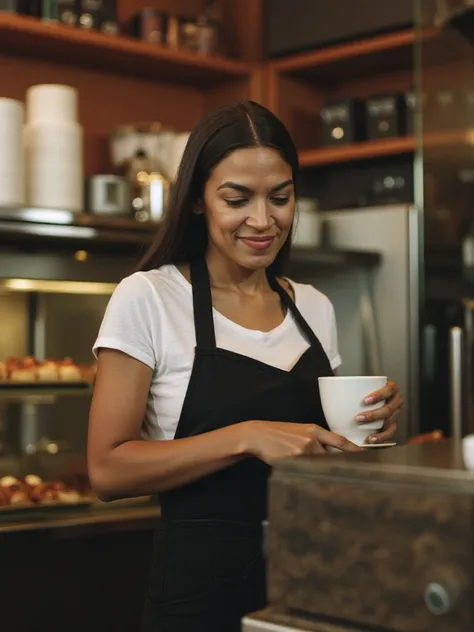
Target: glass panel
444 186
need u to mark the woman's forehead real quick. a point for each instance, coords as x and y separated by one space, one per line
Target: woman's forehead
252 164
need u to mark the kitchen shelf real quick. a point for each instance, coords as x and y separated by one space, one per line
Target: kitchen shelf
360 151
24 36
383 53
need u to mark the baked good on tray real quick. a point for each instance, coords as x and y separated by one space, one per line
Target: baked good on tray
33 491
29 369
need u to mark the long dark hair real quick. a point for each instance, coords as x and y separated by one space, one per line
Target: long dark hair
182 236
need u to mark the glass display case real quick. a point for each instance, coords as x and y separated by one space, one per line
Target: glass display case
56 278
444 167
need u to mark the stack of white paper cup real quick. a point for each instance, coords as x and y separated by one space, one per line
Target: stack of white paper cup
12 178
54 148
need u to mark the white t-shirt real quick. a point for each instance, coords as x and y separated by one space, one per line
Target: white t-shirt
150 318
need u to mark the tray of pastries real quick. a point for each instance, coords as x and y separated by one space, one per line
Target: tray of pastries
32 492
31 372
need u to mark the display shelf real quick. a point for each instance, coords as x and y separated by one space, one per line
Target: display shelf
18 391
24 36
360 151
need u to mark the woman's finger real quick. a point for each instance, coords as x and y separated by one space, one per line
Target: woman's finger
384 412
388 430
388 391
326 437
315 447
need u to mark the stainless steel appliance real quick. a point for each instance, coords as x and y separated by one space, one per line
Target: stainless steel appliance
377 308
108 195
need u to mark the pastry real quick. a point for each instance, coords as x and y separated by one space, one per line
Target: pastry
88 371
23 375
69 496
8 481
48 371
69 372
32 480
19 498
30 362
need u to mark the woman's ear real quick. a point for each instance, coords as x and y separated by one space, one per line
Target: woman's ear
198 209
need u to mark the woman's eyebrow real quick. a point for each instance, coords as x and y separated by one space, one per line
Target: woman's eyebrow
243 189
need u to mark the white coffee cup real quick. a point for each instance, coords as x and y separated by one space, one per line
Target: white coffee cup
343 398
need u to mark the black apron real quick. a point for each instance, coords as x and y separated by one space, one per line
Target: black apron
208 568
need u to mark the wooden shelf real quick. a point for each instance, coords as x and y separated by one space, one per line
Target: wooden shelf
375 55
21 36
359 151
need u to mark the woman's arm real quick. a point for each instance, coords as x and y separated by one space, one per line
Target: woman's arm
120 463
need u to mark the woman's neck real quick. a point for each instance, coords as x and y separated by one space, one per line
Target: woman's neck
226 274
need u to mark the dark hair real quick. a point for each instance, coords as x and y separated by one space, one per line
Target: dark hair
182 236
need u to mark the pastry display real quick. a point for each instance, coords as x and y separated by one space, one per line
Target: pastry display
32 491
29 369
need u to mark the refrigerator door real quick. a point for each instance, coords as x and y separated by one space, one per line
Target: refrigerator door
379 335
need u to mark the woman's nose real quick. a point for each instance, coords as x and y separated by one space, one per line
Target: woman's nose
260 216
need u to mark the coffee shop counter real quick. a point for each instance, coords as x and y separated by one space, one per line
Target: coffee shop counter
76 569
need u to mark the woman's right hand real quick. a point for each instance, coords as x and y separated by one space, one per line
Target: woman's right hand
273 440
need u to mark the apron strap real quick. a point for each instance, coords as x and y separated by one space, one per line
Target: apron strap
289 303
202 304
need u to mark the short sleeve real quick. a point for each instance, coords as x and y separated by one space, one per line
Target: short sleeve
128 321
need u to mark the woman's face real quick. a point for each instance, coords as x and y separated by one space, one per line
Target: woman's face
249 205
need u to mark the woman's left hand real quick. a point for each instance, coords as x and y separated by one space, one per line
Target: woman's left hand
389 412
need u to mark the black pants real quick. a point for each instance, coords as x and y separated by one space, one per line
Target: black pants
205 576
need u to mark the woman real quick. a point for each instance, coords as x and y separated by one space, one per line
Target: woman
209 346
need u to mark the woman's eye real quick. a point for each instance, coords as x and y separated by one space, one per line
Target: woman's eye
280 200
236 202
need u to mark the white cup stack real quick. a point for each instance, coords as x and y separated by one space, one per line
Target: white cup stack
12 177
53 142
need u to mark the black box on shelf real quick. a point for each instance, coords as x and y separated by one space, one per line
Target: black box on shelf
385 116
149 25
89 14
342 122
108 19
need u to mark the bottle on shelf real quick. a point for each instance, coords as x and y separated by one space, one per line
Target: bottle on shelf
150 188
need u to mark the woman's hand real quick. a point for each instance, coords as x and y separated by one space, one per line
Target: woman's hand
273 440
389 413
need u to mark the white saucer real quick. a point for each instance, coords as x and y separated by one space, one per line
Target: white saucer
371 446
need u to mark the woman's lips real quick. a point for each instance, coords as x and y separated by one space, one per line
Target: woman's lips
258 243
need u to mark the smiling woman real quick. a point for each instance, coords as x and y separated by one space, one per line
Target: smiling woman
208 367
